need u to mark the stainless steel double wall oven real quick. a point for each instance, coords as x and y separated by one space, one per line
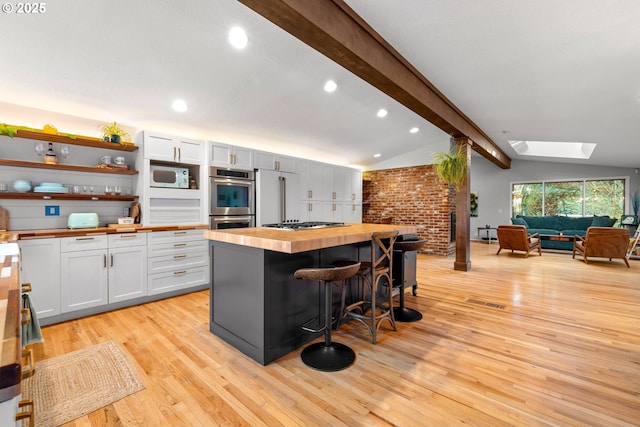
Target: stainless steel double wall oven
232 198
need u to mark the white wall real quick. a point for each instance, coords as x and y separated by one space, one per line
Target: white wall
493 184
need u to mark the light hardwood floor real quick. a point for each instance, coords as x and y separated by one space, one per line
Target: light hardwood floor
539 341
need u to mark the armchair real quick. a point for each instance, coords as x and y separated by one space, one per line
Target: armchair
515 237
602 242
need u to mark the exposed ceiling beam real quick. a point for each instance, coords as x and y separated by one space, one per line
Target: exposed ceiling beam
335 30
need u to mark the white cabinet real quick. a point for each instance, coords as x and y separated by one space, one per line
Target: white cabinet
83 272
176 260
172 149
224 155
310 179
276 162
355 181
311 210
352 212
40 266
127 258
333 211
97 270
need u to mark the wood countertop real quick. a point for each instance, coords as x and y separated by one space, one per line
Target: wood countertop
14 235
10 305
304 240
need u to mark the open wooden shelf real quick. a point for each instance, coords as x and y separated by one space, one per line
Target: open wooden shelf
85 141
30 195
41 165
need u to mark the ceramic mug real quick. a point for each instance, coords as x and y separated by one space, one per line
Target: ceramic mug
119 160
106 160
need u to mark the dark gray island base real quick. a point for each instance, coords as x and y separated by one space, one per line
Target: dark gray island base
257 305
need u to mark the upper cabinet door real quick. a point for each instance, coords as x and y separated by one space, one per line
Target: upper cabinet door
224 155
172 149
271 161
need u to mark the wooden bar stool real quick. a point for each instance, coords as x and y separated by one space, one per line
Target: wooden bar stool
327 356
402 313
368 311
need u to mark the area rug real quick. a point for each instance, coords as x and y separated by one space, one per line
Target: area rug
70 386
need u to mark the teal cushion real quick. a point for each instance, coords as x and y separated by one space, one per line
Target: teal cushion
519 221
603 221
543 231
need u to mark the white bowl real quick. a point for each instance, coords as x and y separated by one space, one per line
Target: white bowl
21 185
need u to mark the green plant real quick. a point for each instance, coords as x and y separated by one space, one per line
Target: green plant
5 129
112 129
451 167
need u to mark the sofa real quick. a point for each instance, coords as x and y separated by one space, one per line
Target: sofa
565 226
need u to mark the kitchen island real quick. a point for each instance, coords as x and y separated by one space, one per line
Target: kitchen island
256 304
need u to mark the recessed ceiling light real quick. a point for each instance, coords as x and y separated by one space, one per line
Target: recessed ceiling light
238 38
179 105
382 112
569 150
414 130
377 155
330 86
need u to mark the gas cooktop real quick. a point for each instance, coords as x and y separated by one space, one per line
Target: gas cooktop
310 225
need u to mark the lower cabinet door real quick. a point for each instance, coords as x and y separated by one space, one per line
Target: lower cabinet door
180 279
127 273
40 266
83 279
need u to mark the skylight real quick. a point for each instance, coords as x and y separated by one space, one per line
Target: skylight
568 150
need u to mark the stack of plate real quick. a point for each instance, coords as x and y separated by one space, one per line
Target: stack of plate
50 187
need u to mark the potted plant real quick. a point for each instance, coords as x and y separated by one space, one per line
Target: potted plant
451 167
112 132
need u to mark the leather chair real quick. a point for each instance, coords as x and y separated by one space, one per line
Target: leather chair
516 238
602 242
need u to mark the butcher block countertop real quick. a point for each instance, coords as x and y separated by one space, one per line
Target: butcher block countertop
14 235
10 304
292 242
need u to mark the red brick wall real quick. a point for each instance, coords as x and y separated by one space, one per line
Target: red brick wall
415 196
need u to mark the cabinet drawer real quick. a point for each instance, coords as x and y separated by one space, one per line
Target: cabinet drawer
177 248
162 264
166 282
127 239
175 236
83 243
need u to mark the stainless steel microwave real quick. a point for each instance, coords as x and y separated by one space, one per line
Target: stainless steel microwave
169 177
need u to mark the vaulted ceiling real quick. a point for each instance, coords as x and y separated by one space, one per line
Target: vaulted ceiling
564 70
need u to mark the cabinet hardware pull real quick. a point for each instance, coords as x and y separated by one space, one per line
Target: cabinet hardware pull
174 153
175 273
179 154
26 287
46 197
94 198
310 192
25 317
111 262
84 238
179 256
26 414
310 207
104 260
179 232
128 236
30 369
178 245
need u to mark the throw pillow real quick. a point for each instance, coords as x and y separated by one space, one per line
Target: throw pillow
519 221
603 221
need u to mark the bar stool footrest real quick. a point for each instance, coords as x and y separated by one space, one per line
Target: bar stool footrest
314 325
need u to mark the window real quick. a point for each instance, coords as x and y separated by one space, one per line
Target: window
570 198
